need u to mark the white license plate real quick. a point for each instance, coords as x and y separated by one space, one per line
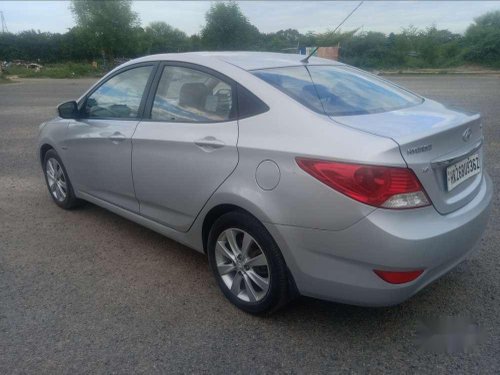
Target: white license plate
463 170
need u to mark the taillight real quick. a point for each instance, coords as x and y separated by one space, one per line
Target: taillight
398 277
387 187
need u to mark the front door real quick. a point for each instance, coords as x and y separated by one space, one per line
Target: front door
187 148
99 145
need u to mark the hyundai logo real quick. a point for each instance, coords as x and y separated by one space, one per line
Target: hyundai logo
466 135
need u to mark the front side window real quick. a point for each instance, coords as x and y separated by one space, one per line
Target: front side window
188 95
120 96
338 90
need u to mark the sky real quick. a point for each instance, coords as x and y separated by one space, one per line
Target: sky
268 16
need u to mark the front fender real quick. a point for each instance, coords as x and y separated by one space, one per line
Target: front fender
52 133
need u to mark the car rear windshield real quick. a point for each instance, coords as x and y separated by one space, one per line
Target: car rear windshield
338 90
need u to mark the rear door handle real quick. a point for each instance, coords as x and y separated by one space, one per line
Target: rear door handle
209 143
117 137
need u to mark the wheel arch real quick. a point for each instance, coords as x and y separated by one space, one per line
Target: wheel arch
43 150
217 211
213 214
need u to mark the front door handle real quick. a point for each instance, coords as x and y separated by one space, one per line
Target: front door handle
209 143
117 137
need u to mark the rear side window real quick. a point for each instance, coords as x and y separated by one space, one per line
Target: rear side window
338 90
120 96
295 82
248 104
188 95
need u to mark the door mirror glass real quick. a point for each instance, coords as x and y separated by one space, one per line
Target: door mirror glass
68 110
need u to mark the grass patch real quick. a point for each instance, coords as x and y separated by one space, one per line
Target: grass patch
66 70
4 79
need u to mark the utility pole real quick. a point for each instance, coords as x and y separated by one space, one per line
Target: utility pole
4 24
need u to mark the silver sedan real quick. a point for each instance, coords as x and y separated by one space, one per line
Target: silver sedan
295 178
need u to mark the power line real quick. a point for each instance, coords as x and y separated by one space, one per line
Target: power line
306 60
4 24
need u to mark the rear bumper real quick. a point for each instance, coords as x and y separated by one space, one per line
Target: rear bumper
338 265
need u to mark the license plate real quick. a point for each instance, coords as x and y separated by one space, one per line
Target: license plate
463 170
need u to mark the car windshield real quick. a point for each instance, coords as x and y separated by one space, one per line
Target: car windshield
338 90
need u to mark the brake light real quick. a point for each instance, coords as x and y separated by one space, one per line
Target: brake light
398 277
387 187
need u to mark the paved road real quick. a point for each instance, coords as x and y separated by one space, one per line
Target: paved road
87 291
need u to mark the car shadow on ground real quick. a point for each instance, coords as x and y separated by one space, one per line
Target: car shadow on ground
422 304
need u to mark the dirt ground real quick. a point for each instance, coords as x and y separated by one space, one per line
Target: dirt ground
86 291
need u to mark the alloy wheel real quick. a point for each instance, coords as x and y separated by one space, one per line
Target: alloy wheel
56 180
242 265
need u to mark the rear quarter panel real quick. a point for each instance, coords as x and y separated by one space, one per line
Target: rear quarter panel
289 130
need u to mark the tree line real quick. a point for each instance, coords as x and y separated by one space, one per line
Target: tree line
110 29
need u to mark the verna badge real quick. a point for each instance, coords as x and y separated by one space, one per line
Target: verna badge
466 135
419 149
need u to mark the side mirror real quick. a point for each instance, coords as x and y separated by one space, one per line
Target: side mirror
68 109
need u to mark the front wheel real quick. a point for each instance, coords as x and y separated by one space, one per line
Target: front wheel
247 264
58 183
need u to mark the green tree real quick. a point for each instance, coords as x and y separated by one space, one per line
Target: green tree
437 47
110 25
368 49
195 43
281 41
79 44
164 38
228 29
482 39
330 38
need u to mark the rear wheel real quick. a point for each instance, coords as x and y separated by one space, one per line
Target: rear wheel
58 183
247 264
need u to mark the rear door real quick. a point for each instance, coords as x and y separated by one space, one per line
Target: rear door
99 145
187 147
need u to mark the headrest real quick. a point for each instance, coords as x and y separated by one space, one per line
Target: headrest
193 95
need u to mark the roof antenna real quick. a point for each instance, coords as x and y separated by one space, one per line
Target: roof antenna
306 60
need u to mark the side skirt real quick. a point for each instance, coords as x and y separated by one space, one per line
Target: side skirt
183 238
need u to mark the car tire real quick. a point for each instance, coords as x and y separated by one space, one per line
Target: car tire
249 290
58 183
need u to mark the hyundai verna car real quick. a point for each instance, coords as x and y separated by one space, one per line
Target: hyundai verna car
295 178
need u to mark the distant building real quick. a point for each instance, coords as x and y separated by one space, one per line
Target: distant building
331 53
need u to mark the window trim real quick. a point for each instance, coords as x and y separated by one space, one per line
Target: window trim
180 64
140 111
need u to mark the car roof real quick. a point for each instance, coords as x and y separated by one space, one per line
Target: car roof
244 59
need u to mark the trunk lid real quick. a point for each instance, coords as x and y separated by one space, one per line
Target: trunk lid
431 138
